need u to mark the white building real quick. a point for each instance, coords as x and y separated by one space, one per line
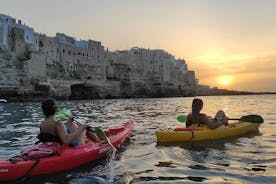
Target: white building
6 23
30 37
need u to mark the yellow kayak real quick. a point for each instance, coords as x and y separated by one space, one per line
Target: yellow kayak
204 133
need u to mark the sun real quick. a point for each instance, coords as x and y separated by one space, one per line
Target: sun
224 80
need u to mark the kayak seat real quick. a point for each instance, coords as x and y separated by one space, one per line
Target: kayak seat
115 130
184 129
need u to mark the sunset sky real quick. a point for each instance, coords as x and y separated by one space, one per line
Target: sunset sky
229 44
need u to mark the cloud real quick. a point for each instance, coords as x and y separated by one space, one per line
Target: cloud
233 66
255 73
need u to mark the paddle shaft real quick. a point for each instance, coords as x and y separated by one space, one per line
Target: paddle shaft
89 128
65 112
248 118
233 118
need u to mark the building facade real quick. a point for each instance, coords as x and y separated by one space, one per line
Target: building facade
64 58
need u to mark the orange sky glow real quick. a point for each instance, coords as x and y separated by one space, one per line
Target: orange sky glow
229 44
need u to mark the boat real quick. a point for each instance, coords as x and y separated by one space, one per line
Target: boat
203 133
3 101
69 157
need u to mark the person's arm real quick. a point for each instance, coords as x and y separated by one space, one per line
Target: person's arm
68 138
69 121
188 121
211 123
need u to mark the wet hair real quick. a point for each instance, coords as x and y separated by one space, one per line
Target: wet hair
196 108
49 107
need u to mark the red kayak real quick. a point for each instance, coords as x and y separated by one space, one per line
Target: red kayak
69 157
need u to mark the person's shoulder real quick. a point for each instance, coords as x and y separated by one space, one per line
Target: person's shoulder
59 123
189 115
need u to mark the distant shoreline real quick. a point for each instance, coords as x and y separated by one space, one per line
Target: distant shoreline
39 99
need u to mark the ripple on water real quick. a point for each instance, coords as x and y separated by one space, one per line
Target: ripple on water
247 159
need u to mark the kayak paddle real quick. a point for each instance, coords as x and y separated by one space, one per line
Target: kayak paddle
248 118
63 113
102 135
181 118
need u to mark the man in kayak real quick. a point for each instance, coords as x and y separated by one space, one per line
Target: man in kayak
195 117
53 130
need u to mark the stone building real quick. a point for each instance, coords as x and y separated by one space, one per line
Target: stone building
72 59
145 64
6 23
63 67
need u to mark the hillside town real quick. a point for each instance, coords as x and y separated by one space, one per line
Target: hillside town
34 65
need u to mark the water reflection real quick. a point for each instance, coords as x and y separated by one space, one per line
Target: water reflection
247 159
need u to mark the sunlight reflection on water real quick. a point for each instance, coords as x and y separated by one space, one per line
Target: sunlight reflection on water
248 159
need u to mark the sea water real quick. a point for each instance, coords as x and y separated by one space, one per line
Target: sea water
245 159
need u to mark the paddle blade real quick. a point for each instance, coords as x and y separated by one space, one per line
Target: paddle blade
252 119
100 133
182 118
63 113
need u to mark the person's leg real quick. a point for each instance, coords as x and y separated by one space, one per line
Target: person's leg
82 137
92 136
222 117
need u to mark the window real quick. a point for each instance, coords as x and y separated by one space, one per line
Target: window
69 52
27 37
41 44
57 50
63 51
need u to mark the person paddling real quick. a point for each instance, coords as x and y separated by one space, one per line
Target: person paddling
195 117
53 130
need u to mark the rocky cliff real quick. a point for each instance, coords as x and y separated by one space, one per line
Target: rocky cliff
32 79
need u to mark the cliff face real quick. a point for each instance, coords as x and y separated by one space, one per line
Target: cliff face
15 84
41 76
34 66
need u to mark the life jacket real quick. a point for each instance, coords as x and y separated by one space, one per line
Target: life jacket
41 150
47 137
48 145
37 151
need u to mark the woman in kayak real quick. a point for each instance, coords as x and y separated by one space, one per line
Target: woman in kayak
195 117
53 130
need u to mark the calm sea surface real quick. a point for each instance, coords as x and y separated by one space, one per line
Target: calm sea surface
248 159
